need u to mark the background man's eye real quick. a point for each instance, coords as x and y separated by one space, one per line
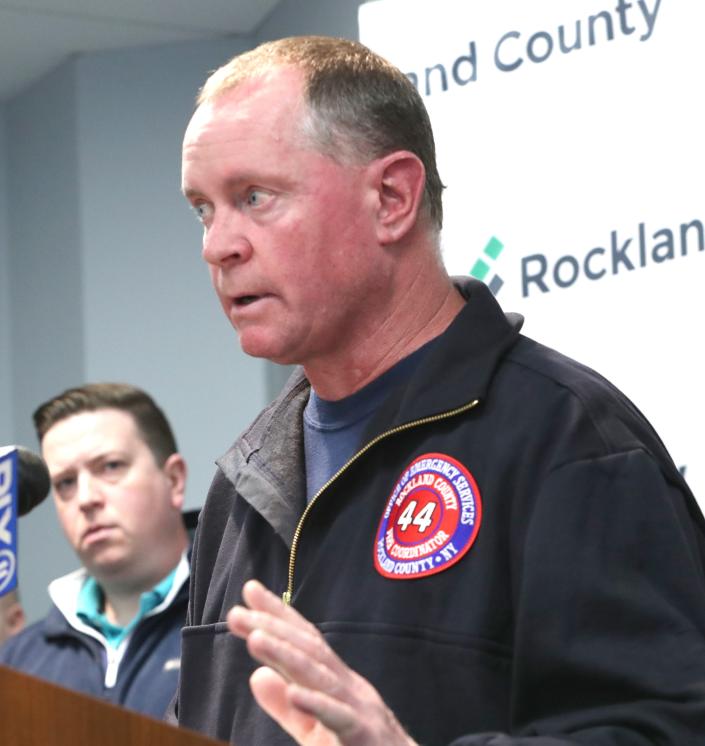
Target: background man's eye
62 487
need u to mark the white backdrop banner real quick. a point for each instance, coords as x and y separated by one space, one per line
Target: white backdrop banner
571 138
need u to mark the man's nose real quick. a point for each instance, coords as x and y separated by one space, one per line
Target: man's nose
88 492
225 241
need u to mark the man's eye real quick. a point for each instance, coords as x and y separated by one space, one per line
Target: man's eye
111 466
63 486
202 210
256 197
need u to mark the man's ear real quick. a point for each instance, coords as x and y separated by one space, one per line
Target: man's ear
175 470
400 178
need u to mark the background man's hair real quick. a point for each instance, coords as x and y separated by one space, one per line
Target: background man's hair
360 107
151 422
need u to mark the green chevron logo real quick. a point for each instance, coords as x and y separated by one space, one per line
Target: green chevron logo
481 269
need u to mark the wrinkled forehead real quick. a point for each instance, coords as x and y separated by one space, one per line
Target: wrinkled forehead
266 103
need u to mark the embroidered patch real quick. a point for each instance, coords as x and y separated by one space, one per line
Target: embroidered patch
431 519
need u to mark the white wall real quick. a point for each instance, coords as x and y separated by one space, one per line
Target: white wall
299 17
6 408
44 239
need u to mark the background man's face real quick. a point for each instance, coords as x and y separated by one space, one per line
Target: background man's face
11 616
116 506
288 232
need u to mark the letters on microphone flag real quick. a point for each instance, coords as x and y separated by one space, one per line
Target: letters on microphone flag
8 519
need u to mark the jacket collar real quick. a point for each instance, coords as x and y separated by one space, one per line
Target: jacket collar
460 363
266 465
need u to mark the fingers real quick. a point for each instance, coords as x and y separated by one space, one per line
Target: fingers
270 691
259 598
335 715
263 608
302 712
303 684
297 654
278 636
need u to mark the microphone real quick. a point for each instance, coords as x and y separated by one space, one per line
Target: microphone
24 483
33 481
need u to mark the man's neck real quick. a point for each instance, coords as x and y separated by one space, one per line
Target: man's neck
122 597
424 310
121 609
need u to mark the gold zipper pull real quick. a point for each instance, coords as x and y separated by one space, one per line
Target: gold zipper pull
286 598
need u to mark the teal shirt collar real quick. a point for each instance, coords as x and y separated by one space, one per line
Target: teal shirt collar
90 603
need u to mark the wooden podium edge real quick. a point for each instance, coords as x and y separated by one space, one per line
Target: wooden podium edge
34 712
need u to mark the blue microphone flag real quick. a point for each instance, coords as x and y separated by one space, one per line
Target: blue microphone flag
8 519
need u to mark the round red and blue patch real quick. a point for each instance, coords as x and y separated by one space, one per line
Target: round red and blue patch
431 519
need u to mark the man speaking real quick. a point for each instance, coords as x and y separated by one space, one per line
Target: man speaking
477 540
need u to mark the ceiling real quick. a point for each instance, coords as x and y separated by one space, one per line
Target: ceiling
37 35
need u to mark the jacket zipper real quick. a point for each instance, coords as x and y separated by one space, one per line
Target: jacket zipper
114 658
287 595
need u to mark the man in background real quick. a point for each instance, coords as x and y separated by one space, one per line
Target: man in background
12 617
468 538
118 485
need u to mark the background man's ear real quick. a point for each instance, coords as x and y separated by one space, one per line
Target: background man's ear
15 618
401 178
175 470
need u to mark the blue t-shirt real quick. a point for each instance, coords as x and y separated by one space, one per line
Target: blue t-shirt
333 429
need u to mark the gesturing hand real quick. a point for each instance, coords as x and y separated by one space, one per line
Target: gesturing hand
303 684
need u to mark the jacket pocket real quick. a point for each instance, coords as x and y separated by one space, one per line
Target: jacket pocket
440 685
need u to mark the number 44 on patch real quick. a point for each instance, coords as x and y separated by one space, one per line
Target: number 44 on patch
423 518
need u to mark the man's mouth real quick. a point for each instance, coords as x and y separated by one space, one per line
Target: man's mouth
96 533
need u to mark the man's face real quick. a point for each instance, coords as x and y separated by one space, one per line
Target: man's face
117 507
288 232
12 617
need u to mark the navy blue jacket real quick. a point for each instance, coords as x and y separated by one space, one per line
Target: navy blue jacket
148 673
575 616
